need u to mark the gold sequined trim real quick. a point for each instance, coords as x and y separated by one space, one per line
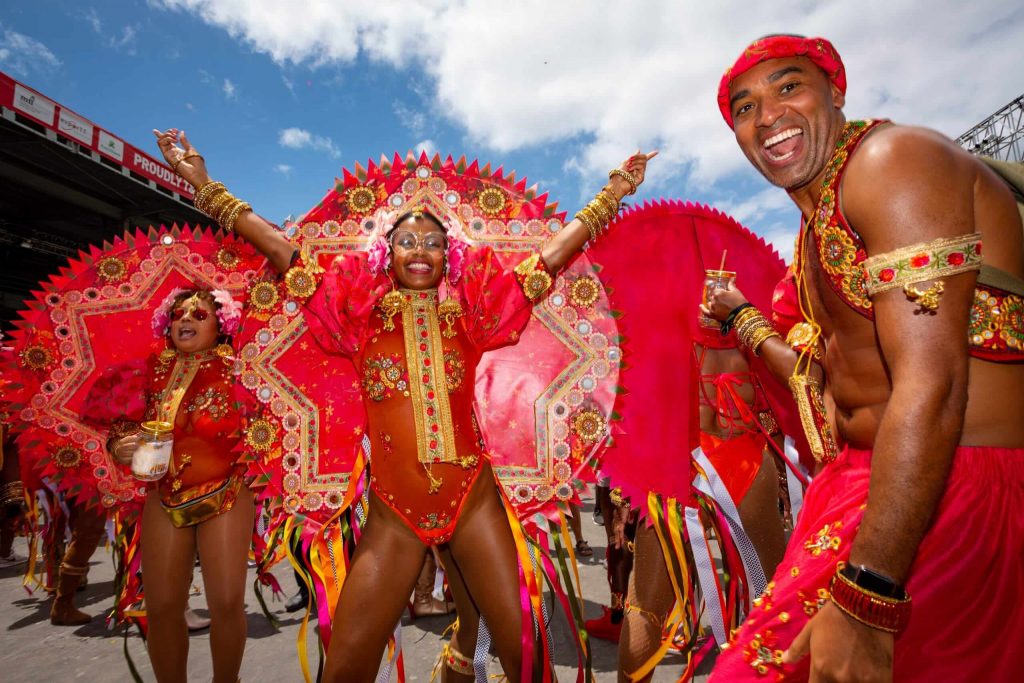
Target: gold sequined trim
424 353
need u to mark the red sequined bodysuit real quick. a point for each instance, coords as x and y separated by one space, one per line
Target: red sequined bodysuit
207 425
417 357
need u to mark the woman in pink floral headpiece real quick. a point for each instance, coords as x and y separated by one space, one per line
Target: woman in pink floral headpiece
202 502
415 312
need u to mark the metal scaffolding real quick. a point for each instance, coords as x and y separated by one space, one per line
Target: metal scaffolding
1000 136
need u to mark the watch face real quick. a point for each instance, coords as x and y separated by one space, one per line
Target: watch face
874 582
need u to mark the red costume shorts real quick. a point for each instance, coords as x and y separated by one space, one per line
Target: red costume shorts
966 583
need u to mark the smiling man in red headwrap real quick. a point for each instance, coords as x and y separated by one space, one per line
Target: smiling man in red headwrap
906 562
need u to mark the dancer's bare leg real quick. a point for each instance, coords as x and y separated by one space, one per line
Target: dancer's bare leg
759 513
168 554
223 551
384 569
648 605
485 553
464 639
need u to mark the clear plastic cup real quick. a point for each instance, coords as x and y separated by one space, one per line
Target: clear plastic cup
714 279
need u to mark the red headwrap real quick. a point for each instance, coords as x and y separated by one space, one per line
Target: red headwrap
818 50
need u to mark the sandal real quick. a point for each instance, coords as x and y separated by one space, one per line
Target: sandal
583 549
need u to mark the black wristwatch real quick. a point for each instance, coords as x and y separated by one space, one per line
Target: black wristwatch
869 580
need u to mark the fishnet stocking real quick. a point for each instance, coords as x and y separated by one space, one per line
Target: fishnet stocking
648 604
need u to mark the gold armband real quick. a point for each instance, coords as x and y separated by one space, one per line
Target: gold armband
456 661
301 281
533 277
907 266
803 336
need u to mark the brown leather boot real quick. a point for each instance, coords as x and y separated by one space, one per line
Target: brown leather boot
424 604
63 612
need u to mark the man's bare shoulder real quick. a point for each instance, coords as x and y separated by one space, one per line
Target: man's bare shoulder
895 150
911 177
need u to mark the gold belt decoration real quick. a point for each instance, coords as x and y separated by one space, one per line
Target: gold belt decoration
198 504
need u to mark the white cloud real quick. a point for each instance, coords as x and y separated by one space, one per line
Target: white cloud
283 169
753 209
297 138
427 146
22 55
93 18
230 90
611 77
125 42
413 120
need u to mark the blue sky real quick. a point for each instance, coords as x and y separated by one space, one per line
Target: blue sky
279 96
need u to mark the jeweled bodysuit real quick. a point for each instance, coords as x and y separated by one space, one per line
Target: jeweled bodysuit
417 358
196 393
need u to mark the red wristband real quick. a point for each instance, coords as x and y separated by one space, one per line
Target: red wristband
871 609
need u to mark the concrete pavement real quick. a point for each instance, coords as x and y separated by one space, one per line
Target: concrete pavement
34 650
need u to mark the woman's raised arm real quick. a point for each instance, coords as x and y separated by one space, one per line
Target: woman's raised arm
190 165
622 181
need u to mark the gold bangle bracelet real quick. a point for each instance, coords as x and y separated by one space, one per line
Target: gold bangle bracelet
610 204
207 192
745 315
214 201
239 209
595 216
219 204
206 189
586 221
627 176
600 211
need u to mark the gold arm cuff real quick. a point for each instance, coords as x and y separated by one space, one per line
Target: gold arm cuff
924 261
533 277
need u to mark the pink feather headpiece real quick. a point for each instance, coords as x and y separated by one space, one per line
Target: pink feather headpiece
229 313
